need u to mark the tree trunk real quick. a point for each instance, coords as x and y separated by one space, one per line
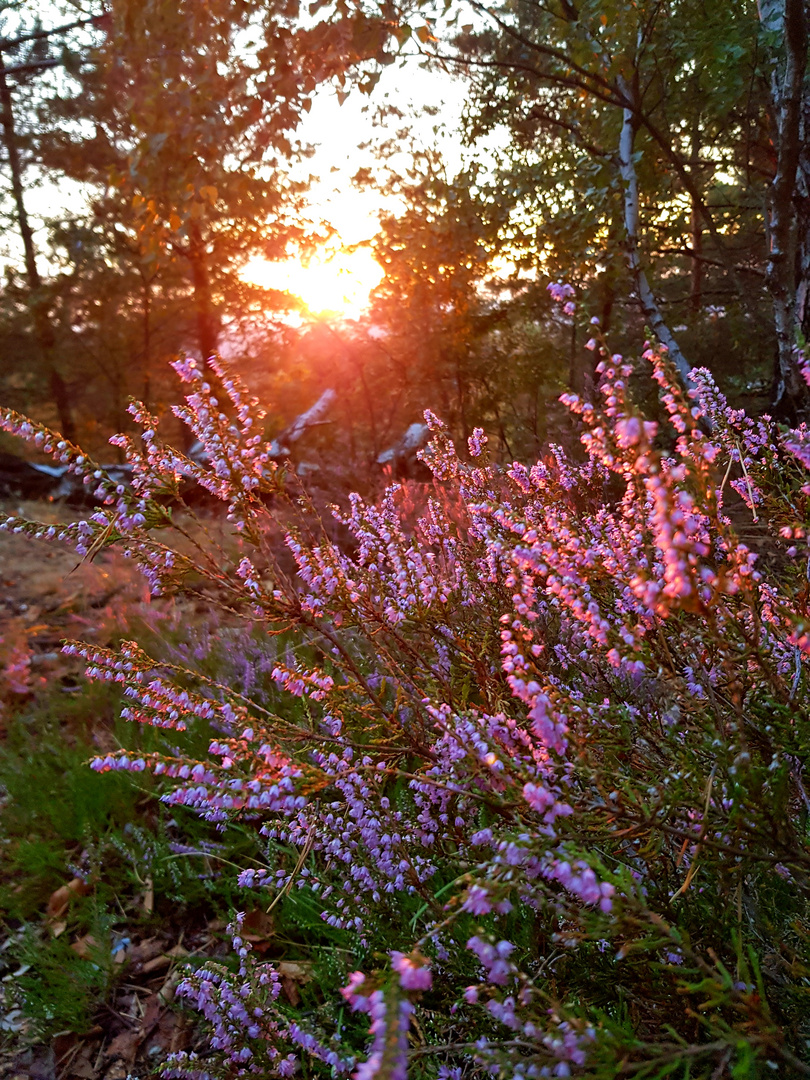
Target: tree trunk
801 199
696 228
43 331
786 249
696 275
146 345
207 323
61 399
649 304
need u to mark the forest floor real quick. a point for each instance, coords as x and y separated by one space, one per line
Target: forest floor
104 896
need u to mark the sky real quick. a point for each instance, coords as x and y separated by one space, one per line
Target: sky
337 131
337 282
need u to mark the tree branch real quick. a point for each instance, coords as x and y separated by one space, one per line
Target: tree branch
38 35
631 205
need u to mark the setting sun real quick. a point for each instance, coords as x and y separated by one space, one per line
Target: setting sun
329 283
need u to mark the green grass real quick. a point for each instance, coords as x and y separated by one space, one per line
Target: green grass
60 819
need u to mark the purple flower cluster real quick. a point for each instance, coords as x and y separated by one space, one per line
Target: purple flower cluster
248 1028
390 1013
494 959
414 973
468 698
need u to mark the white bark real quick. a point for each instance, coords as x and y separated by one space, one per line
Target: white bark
314 416
649 304
784 20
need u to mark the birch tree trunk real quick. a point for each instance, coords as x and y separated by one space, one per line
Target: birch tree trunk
649 304
785 23
801 198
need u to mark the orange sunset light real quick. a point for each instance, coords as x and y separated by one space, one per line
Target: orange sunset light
331 282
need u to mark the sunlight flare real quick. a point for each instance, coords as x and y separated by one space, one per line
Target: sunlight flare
330 282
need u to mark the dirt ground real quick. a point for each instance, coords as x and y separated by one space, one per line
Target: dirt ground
47 594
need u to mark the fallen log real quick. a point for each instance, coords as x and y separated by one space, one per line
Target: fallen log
402 458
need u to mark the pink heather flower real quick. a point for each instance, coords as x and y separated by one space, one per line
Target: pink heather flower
537 797
358 1001
476 442
798 443
628 432
413 975
495 959
545 802
477 902
583 585
560 292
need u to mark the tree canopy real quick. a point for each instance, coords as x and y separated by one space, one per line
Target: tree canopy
650 154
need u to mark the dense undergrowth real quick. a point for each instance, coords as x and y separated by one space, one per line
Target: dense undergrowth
98 857
523 767
103 889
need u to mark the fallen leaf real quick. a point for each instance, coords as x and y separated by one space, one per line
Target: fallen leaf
258 927
124 1047
181 1034
167 991
146 950
83 945
301 973
82 1067
61 897
258 922
292 976
65 1047
165 959
149 896
152 1009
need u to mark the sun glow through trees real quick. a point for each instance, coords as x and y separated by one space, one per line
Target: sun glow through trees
331 282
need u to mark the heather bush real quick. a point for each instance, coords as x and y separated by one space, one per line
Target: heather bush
530 766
